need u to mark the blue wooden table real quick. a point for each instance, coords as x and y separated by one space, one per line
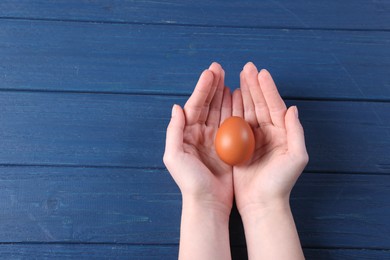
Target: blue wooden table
86 89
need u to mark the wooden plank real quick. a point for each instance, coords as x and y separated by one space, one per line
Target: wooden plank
335 210
346 254
350 14
88 251
88 205
129 131
328 254
99 205
122 58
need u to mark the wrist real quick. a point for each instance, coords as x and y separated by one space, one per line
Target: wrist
211 208
261 209
204 231
274 225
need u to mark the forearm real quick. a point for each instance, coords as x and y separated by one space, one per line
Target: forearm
204 232
271 233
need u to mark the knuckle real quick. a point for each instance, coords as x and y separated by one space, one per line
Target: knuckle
170 126
304 158
301 159
167 158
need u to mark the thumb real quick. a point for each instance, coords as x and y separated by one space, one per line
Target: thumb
295 135
174 138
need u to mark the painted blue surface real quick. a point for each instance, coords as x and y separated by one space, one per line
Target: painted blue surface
86 89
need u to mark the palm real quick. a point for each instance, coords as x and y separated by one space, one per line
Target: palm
199 143
264 174
206 173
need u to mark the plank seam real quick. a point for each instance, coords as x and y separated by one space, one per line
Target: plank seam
171 245
79 166
334 248
10 165
195 25
347 248
167 94
85 243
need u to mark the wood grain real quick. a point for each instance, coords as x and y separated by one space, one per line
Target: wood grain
138 206
360 14
88 251
122 58
327 254
129 131
86 89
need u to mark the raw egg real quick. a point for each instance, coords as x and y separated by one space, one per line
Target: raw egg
235 141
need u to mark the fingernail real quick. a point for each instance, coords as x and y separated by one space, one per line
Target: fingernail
174 109
296 112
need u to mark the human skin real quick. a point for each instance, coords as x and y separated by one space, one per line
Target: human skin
206 183
263 185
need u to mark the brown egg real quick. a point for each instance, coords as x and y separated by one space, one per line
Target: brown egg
235 141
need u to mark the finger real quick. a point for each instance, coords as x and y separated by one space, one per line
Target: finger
174 137
237 107
249 107
195 103
214 68
226 109
295 136
276 106
260 105
214 112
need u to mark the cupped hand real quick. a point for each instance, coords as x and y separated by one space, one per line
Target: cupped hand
280 152
190 155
